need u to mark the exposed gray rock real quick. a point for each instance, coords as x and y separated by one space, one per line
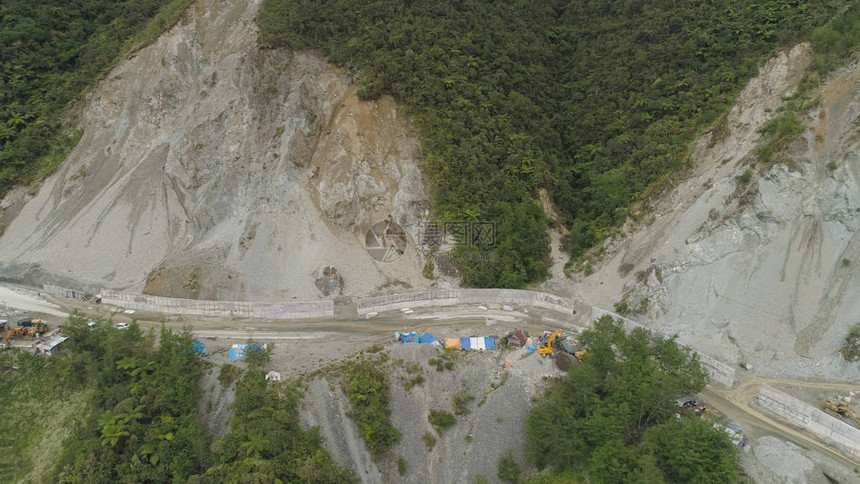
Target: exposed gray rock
235 169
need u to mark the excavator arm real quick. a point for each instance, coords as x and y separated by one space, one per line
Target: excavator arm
547 348
841 407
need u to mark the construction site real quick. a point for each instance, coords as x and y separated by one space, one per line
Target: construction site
229 188
763 417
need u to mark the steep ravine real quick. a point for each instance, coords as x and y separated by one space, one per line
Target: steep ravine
210 168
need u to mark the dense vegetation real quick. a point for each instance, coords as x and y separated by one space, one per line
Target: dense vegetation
365 383
595 101
129 406
266 443
52 51
138 422
611 419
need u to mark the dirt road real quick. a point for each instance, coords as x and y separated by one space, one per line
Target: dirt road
27 301
736 405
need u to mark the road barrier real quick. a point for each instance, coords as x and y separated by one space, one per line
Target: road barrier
835 432
229 309
452 297
65 292
719 372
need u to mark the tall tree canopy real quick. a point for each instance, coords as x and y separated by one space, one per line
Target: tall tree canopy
52 51
612 418
592 100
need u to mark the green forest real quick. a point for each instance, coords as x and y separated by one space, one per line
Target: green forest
595 101
609 419
53 50
127 406
128 403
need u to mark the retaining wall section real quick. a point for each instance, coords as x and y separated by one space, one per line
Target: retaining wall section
65 292
452 297
718 371
835 432
230 309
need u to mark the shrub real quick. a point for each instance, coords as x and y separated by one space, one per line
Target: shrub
429 441
412 382
851 349
441 420
509 470
228 374
461 401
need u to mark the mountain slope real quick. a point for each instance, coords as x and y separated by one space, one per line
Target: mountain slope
211 168
752 262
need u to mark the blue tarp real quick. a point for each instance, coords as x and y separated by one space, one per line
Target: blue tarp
464 344
427 338
198 347
410 337
238 350
489 343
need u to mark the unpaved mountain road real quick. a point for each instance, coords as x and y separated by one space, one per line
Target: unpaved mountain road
737 405
23 300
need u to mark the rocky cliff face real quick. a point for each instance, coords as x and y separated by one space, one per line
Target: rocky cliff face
760 270
210 168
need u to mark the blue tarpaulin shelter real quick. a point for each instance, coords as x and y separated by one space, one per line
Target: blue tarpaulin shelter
198 347
410 337
428 338
239 350
478 343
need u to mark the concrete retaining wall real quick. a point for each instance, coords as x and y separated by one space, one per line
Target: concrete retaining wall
231 309
832 430
65 292
453 297
718 371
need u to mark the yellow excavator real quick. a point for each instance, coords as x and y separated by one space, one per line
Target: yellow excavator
548 349
33 329
841 407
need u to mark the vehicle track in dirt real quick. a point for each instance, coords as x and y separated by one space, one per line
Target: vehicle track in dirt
736 405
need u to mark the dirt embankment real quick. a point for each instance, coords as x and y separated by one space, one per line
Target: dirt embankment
212 168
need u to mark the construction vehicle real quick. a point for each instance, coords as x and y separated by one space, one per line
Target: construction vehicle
32 330
841 407
546 348
30 322
554 343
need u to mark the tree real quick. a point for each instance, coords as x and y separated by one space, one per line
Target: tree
693 450
608 416
509 470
